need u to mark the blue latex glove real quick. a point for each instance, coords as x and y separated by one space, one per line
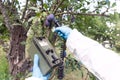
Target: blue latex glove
36 70
63 31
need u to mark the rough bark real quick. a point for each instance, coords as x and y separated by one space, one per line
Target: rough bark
16 55
18 35
5 15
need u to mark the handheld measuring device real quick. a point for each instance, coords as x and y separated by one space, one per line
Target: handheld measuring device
46 52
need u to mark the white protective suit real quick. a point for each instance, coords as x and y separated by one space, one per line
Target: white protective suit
102 62
33 78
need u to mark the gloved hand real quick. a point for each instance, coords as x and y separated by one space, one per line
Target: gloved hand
63 31
37 75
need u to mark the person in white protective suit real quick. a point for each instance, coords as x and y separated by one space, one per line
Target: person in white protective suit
101 62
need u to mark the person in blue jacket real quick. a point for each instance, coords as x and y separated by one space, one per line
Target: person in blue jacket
101 62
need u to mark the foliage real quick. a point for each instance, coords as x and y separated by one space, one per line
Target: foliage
3 30
116 30
74 13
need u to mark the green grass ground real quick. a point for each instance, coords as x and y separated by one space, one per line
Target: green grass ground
3 65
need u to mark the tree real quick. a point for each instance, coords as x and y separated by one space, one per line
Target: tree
16 55
73 12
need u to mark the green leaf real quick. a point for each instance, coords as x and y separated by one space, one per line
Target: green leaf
34 8
45 6
88 3
38 14
1 24
44 14
16 2
114 4
30 19
108 3
103 2
34 1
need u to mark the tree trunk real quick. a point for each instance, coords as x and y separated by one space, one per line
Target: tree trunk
18 35
16 55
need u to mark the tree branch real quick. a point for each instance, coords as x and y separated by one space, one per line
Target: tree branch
55 10
42 4
24 10
53 6
86 14
5 16
105 11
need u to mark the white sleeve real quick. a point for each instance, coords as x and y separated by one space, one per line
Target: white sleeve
33 78
102 62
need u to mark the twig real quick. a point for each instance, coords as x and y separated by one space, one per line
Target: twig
105 11
24 10
95 10
42 3
87 14
55 10
8 2
53 5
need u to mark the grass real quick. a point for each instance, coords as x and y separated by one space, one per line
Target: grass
4 75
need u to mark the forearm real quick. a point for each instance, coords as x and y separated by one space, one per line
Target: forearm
94 56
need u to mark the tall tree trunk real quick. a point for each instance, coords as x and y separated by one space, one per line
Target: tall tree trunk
16 54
